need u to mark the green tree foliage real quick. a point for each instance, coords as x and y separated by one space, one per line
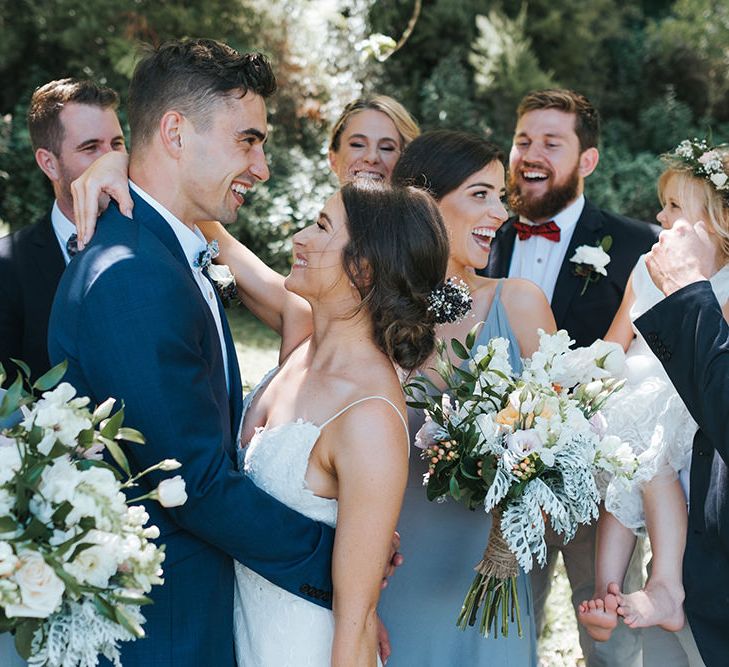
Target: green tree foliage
658 70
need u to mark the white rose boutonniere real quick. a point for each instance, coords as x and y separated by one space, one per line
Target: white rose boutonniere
224 281
590 261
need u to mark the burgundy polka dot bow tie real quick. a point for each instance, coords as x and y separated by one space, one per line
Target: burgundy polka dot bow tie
548 230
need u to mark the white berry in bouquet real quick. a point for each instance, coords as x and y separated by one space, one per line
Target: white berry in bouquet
76 558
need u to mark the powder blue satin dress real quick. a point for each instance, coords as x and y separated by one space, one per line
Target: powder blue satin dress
441 543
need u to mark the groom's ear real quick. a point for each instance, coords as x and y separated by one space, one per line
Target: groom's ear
48 163
171 127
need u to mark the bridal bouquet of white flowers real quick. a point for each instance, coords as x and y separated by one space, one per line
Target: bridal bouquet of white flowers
75 556
524 447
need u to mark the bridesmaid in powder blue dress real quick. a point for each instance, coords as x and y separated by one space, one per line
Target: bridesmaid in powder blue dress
442 542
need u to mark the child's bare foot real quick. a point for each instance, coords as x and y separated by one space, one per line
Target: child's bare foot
599 617
657 604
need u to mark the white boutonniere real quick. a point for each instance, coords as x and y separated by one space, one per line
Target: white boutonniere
224 281
590 261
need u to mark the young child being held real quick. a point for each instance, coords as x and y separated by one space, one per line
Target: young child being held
650 415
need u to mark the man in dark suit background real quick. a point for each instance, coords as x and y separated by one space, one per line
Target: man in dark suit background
71 122
554 150
688 333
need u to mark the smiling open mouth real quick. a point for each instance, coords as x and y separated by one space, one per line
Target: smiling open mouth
239 190
483 236
534 176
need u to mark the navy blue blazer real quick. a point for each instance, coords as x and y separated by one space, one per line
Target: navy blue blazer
132 323
587 316
31 264
690 337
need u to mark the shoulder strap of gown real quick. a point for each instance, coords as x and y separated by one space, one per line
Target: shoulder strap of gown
368 398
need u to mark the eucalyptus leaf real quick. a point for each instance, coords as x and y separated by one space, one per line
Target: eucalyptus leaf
459 350
24 637
454 489
118 455
126 621
104 608
7 524
131 435
22 365
51 378
110 427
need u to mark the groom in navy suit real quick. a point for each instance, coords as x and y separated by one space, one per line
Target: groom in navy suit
554 151
688 333
137 318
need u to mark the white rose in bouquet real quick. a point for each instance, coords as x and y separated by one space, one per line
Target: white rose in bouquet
8 560
61 416
9 463
524 442
41 590
171 492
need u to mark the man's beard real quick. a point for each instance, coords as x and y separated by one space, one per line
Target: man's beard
549 204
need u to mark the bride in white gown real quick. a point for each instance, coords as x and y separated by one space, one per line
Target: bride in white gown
325 429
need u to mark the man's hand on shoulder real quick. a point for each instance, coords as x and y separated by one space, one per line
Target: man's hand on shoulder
684 254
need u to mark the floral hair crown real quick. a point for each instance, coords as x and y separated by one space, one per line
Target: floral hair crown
450 301
704 162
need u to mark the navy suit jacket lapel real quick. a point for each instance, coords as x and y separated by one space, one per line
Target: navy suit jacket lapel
587 232
146 215
235 392
502 251
48 257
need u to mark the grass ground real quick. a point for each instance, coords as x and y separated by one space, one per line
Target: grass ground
257 349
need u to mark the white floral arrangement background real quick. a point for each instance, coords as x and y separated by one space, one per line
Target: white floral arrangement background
76 556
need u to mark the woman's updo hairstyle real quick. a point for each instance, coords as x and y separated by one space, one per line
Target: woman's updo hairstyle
397 254
441 160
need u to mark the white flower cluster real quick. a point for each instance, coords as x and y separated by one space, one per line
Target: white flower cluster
705 162
551 420
69 543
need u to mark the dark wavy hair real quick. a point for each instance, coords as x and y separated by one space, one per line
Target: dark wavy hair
44 122
190 76
396 255
440 160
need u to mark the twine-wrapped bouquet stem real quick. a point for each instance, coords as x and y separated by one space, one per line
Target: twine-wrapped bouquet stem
493 587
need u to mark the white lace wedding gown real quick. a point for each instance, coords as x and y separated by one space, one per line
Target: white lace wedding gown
274 628
648 412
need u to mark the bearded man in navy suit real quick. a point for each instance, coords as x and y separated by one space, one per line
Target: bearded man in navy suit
72 122
138 319
553 152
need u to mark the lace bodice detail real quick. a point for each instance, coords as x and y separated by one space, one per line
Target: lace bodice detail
276 460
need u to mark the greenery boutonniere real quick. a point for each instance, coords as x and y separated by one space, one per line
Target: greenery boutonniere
590 261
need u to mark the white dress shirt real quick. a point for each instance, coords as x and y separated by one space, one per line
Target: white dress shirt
539 259
62 228
193 243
